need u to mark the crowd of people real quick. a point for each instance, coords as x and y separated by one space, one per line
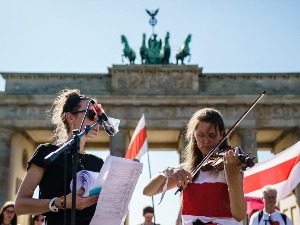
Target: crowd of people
208 197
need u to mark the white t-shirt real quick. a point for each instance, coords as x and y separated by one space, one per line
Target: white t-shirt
265 218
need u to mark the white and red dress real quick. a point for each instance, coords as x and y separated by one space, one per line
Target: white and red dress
207 199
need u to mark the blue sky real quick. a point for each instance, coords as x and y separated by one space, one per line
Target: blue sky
84 36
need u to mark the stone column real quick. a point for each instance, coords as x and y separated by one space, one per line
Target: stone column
5 145
246 138
118 143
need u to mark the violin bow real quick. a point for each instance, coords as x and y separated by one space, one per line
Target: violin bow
211 152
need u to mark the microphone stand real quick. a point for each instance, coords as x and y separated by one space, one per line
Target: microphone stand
76 142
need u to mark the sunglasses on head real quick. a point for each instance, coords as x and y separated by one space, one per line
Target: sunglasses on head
89 113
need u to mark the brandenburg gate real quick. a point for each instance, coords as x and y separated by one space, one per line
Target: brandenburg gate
167 94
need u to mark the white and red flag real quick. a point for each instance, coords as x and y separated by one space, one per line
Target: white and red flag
282 171
138 145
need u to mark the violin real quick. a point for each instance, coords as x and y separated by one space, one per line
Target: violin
244 159
216 161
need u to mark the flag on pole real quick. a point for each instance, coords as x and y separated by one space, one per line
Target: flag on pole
282 171
138 145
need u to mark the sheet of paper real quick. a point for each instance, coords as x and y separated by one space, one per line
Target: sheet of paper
119 177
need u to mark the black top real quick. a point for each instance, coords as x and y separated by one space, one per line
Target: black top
52 183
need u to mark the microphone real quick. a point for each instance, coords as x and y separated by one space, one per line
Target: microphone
100 114
110 125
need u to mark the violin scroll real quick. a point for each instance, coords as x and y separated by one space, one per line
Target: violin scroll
246 161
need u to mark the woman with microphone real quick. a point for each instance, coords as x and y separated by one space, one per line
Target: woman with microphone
70 110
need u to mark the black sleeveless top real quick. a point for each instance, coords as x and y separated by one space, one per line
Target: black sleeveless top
52 183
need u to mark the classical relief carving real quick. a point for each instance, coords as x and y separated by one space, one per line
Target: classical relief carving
32 112
277 112
162 82
150 79
295 112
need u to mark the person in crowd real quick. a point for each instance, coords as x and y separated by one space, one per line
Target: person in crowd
269 215
148 214
70 111
8 215
38 219
209 197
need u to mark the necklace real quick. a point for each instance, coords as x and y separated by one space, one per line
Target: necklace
81 161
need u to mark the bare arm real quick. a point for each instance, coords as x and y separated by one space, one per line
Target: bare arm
234 179
25 204
177 177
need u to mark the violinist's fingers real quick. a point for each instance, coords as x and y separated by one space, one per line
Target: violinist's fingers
231 157
183 179
189 176
232 170
179 182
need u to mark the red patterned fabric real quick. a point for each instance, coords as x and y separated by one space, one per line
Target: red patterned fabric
206 199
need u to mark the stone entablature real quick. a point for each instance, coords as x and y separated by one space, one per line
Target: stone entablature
30 111
249 83
51 83
155 79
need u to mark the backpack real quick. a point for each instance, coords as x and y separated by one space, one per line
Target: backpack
260 214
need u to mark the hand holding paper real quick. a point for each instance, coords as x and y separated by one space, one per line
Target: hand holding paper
118 178
86 179
116 182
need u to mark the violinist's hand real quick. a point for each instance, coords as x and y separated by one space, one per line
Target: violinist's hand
231 166
179 176
81 202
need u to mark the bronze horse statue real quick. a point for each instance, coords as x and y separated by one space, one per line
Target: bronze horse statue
184 50
165 51
143 51
127 51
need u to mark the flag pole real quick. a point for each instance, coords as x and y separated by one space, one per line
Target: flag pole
138 146
149 167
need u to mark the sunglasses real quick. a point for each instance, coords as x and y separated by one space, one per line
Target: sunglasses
89 113
42 220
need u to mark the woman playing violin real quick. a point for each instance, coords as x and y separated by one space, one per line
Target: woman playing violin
211 197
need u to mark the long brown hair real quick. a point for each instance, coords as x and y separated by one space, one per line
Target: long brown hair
192 153
4 207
